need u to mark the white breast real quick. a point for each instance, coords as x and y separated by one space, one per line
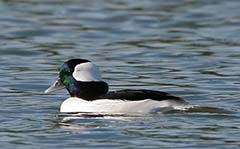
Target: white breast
74 104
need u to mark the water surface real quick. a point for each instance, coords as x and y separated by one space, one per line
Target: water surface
188 48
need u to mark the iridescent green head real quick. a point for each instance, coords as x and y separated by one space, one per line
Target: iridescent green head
81 78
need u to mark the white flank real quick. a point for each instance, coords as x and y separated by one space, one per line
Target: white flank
87 72
74 104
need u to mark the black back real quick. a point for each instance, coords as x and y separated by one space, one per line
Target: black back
135 95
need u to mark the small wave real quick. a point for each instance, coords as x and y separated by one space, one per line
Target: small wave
201 109
66 117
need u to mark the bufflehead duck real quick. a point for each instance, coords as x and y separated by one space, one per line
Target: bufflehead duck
89 93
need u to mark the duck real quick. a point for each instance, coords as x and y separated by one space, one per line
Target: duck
90 94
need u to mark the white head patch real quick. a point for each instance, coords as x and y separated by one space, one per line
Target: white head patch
87 72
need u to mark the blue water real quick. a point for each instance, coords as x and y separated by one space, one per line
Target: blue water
188 48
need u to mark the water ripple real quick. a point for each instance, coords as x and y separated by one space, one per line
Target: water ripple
187 48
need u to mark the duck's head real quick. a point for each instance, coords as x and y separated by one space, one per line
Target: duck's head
81 78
